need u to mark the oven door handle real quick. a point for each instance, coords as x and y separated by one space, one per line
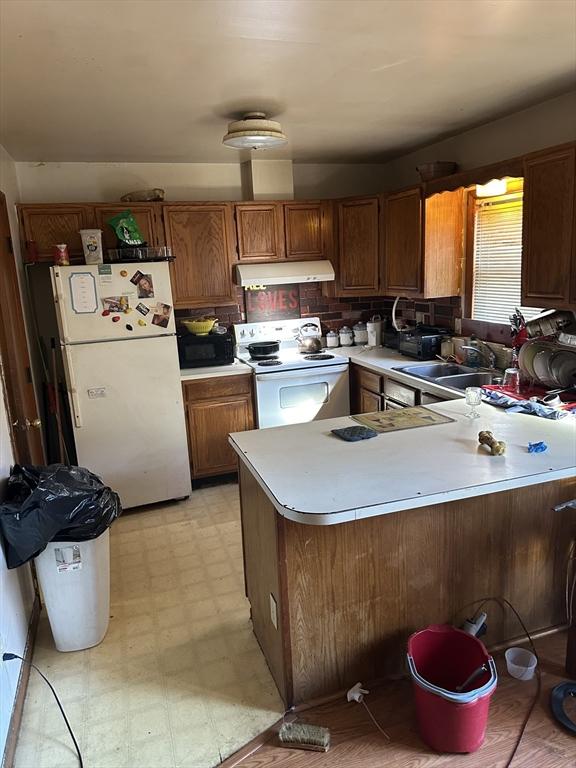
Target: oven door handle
317 371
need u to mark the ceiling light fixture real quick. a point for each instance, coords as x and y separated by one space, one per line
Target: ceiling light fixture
254 131
492 188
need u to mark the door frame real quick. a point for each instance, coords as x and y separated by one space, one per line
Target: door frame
15 368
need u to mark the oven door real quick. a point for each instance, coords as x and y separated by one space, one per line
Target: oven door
292 397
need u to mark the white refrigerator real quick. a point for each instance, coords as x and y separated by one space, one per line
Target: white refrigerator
117 334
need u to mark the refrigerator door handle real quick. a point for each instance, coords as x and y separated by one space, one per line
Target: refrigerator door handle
72 390
58 293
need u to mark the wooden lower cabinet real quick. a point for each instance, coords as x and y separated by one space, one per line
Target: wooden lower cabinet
348 596
215 408
370 402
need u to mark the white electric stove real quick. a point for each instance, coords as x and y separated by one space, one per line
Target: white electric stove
294 387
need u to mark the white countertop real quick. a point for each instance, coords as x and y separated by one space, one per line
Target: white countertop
212 371
313 477
382 360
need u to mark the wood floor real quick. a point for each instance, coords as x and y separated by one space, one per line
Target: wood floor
357 744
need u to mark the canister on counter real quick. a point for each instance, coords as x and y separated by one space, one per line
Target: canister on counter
332 339
360 333
375 331
61 255
346 336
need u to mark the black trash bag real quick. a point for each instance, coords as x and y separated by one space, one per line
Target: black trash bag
53 503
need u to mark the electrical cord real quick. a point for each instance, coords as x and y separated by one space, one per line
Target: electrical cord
503 602
9 657
376 723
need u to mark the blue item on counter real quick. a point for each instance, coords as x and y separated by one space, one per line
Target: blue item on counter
521 406
537 447
353 434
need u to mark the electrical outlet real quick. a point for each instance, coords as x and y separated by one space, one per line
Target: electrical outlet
273 611
458 325
419 317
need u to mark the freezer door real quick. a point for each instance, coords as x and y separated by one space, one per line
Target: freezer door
128 417
97 302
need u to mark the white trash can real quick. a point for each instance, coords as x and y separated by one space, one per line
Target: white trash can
75 581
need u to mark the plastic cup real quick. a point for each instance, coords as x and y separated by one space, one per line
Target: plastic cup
92 244
521 663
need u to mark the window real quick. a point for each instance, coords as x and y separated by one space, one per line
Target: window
498 259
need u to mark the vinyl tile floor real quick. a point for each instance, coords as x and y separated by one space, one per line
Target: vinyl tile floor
179 680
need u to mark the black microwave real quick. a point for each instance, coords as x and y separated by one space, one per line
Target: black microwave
198 351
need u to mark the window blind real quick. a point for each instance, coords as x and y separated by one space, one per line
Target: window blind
498 260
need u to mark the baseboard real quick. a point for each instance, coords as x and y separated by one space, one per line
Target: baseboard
22 687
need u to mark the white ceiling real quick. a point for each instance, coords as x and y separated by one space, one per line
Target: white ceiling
350 80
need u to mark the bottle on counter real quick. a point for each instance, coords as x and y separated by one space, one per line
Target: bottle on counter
332 339
360 333
346 336
473 357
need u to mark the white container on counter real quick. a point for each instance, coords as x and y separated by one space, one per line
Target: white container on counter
360 333
332 339
92 245
374 329
346 336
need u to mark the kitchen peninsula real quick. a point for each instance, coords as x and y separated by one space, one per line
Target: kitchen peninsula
349 547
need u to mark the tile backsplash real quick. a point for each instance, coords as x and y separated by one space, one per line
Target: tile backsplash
336 312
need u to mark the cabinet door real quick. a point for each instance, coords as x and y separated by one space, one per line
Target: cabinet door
548 251
202 241
47 225
307 228
403 243
145 215
443 244
209 424
259 229
358 253
370 402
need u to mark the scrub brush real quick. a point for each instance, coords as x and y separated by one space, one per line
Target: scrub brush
304 736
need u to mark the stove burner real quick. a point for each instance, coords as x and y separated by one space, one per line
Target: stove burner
266 363
319 357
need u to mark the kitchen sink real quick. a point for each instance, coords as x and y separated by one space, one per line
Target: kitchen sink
434 370
476 379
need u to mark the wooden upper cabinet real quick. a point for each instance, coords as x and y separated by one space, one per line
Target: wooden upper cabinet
145 214
260 231
444 215
548 230
424 244
202 240
403 243
307 228
358 247
47 225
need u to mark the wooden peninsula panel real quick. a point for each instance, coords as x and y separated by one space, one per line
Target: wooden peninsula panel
350 594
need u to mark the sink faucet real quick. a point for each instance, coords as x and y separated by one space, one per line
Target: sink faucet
488 352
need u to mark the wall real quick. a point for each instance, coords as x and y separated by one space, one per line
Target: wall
16 599
16 590
102 182
334 312
544 125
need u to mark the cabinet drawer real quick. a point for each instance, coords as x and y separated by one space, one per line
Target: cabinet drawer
401 393
211 389
369 380
427 399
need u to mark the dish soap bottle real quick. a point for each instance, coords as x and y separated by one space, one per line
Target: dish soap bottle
473 353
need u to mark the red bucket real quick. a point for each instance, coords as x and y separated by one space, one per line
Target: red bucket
440 659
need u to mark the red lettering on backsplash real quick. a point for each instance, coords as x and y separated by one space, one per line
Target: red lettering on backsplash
278 302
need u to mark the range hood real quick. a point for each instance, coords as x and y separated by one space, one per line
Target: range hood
280 272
